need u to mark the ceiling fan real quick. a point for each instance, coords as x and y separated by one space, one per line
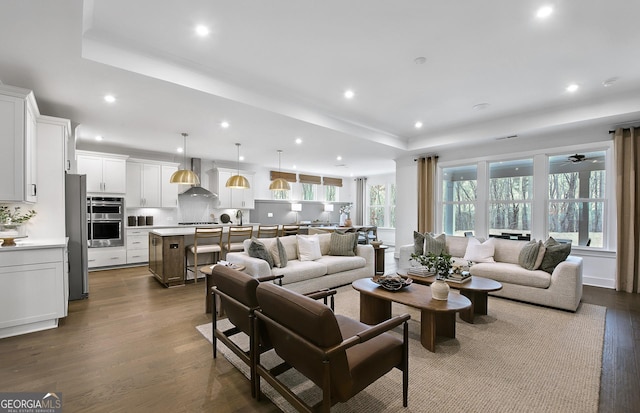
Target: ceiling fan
577 158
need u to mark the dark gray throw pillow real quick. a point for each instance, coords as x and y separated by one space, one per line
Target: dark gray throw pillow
426 243
529 255
554 254
418 243
343 244
258 250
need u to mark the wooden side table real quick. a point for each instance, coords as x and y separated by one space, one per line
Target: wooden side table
379 252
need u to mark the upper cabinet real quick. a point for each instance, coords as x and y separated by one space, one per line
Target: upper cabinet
235 198
106 173
148 184
18 137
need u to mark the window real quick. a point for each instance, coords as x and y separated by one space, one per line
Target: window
577 198
281 195
330 193
510 197
309 192
382 205
459 193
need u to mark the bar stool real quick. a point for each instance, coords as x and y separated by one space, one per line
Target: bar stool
267 231
235 237
289 230
205 241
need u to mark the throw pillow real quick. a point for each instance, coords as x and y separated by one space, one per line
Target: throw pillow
529 254
308 248
436 245
279 254
418 243
541 252
480 252
258 250
554 254
343 244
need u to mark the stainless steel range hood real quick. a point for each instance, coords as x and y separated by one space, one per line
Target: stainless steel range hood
197 190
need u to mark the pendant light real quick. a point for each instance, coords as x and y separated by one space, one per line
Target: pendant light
184 176
238 181
279 184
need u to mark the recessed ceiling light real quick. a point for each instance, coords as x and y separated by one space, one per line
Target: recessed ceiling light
298 141
339 158
99 138
420 60
544 12
202 30
241 158
224 124
294 167
349 94
610 81
418 125
109 98
481 106
180 150
572 87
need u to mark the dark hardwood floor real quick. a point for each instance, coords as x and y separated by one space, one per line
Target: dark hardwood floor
133 347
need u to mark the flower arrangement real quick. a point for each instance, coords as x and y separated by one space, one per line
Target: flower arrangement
15 217
440 264
346 209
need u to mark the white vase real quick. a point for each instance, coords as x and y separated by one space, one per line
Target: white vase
440 290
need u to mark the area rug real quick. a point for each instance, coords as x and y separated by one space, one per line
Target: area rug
519 357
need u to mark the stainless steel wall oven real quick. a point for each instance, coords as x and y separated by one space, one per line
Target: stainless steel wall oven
105 221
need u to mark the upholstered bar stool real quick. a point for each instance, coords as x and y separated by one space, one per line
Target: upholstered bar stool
267 231
235 238
205 241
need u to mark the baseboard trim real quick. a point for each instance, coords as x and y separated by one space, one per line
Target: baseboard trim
599 282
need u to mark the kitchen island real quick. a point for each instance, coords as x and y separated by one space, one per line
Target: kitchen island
167 256
34 285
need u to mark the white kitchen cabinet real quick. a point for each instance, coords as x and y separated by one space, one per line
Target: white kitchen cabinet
33 288
106 174
143 185
169 190
235 198
18 138
107 257
137 245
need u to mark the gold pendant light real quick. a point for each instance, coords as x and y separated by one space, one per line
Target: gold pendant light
238 181
279 184
184 176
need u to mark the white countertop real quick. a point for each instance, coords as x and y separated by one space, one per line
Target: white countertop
189 230
154 227
31 244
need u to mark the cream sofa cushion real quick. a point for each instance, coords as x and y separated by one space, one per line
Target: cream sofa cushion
505 272
300 271
337 264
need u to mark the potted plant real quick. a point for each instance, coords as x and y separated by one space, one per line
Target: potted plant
11 223
439 264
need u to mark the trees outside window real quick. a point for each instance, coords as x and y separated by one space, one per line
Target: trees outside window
577 198
309 192
382 205
510 196
459 194
330 193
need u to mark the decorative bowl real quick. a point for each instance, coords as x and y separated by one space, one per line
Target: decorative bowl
376 244
392 282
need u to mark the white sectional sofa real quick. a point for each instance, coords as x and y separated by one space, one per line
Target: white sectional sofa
560 289
328 271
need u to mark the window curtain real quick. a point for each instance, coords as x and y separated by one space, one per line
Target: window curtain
361 190
427 167
627 153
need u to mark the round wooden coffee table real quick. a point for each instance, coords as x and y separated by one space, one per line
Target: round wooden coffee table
206 270
476 290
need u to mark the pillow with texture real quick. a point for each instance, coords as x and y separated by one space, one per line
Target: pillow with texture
541 251
554 254
480 252
308 248
258 250
343 244
279 254
418 242
435 245
529 254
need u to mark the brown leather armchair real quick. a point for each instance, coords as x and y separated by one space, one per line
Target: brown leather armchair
237 292
340 355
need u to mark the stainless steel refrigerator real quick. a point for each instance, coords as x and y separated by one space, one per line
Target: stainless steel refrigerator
76 225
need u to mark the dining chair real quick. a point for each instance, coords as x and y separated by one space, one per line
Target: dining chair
289 230
205 241
235 238
342 356
267 231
